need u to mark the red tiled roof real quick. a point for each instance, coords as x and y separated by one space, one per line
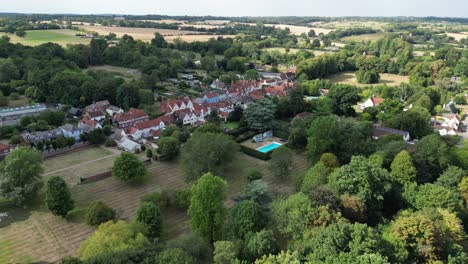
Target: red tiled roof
276 90
88 122
211 95
257 94
130 130
156 133
376 100
148 124
95 113
133 113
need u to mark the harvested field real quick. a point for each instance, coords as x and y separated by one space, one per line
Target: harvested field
349 24
297 30
39 236
364 37
193 38
385 78
458 36
294 51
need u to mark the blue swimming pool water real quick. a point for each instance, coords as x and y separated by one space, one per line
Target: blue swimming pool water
269 147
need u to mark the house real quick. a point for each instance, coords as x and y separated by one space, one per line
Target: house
100 105
89 122
4 151
279 90
12 115
95 114
145 129
112 110
380 131
371 102
71 131
212 97
129 145
445 130
128 119
39 136
170 106
74 112
324 92
188 117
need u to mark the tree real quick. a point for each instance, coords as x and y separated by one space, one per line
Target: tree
95 137
281 258
207 152
256 191
363 179
416 123
149 153
21 33
107 130
207 212
245 217
70 142
193 246
259 244
128 167
432 195
344 98
20 175
111 238
296 101
316 43
168 147
173 256
431 157
224 253
298 137
158 40
402 167
340 239
368 70
311 33
58 198
99 212
150 215
251 74
451 177
260 114
281 161
292 216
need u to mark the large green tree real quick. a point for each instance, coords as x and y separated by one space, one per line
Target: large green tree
402 167
128 167
260 114
149 215
245 217
20 175
344 98
207 152
207 212
58 198
281 162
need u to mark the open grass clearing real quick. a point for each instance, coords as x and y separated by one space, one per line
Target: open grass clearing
193 38
121 71
38 236
60 36
21 101
349 24
294 51
385 78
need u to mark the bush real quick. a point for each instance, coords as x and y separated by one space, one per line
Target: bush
149 215
99 213
58 197
182 199
162 199
128 167
110 143
281 134
254 175
149 153
245 136
255 153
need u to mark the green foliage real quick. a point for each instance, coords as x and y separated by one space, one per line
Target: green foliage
58 198
432 195
225 253
281 162
281 258
149 215
192 245
415 122
260 114
245 217
402 167
112 237
364 179
329 160
431 157
168 147
128 167
451 177
368 70
99 212
207 152
259 244
344 98
292 216
20 175
207 212
314 177
254 175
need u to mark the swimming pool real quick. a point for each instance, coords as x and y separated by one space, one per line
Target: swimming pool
269 147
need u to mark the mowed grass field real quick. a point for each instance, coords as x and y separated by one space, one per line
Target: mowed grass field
62 37
385 78
294 51
119 71
38 236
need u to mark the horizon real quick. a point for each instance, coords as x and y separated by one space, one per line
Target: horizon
244 8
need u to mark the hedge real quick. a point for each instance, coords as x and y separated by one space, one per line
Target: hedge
281 134
238 131
255 153
245 137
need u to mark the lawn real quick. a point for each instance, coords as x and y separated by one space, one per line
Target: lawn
60 36
230 125
119 71
385 78
294 51
39 236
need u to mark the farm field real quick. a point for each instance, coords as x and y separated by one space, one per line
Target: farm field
458 36
364 37
385 78
62 37
38 236
297 30
193 38
349 24
75 158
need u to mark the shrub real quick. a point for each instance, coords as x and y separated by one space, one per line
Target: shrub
58 197
254 175
182 199
99 213
127 167
254 153
110 143
149 215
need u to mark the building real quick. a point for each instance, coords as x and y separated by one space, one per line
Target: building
12 115
40 136
380 131
170 106
71 131
130 118
371 102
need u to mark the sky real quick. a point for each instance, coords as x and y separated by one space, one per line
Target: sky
441 8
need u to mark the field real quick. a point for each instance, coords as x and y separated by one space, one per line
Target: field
364 37
385 78
297 30
349 24
294 51
193 38
60 36
147 34
458 36
119 71
38 236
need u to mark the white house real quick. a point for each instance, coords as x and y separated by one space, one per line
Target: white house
371 102
70 131
380 131
129 145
